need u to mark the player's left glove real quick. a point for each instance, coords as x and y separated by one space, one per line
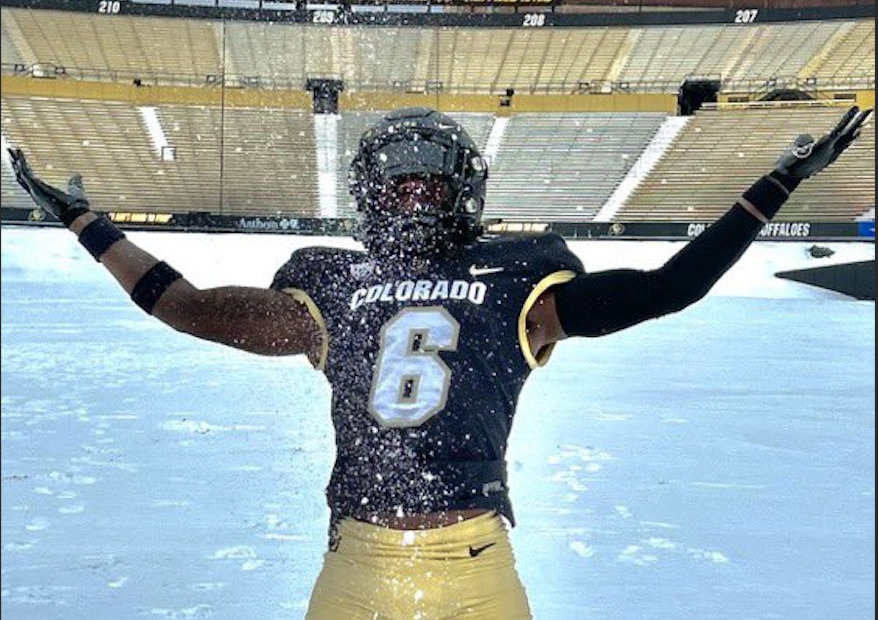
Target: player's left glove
807 156
66 207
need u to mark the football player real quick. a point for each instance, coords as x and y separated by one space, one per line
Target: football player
427 339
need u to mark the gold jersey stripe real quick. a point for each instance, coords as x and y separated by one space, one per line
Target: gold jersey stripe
540 358
304 298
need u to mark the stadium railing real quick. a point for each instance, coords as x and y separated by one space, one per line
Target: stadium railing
147 78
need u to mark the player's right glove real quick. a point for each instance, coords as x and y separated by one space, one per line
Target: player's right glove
807 156
66 207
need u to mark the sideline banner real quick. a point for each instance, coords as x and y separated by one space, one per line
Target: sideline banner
209 222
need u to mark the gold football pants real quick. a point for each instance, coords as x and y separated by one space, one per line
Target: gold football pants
462 572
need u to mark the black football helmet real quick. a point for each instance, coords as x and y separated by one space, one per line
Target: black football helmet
418 143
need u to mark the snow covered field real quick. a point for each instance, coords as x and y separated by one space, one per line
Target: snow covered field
713 465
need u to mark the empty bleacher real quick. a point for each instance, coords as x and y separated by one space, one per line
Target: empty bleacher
116 47
782 50
549 167
563 60
8 52
664 56
378 58
850 54
11 194
721 153
563 167
269 163
529 61
103 141
456 60
286 55
265 158
192 180
351 126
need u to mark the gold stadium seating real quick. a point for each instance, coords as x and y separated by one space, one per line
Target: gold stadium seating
192 181
564 167
456 60
664 56
265 158
559 167
530 61
11 194
8 51
850 54
270 162
781 50
180 50
287 54
103 140
262 160
721 152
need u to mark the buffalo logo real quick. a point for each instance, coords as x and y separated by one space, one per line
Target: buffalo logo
362 271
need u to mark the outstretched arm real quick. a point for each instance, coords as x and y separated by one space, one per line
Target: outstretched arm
606 302
262 321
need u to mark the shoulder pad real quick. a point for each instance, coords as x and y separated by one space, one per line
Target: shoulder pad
545 253
308 266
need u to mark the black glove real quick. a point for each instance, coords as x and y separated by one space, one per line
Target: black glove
66 207
806 157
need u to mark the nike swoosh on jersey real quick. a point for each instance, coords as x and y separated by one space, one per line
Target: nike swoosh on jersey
485 271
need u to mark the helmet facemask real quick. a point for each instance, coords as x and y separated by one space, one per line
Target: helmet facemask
410 216
419 183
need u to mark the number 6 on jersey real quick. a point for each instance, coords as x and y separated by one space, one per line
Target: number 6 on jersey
411 380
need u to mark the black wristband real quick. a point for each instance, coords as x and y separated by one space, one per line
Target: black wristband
99 236
790 183
150 288
68 216
768 195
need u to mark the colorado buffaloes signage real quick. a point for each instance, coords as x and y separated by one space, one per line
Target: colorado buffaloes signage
772 230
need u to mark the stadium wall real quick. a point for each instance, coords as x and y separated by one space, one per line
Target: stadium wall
866 99
209 222
154 95
301 100
502 106
863 98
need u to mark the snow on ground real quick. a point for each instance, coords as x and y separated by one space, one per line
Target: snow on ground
713 465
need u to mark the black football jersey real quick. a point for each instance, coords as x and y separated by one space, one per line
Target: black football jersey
426 366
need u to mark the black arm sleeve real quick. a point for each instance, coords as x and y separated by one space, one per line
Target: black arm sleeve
602 303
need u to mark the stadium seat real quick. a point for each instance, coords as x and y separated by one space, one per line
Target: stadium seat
116 48
564 167
265 158
723 151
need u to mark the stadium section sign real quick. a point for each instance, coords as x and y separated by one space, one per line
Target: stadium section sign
526 14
